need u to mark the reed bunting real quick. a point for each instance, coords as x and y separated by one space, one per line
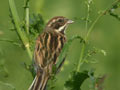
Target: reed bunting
47 49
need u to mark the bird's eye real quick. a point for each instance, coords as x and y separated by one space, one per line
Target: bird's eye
60 20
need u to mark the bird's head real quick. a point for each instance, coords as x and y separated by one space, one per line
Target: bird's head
59 23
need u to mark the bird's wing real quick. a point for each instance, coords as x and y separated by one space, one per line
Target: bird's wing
48 47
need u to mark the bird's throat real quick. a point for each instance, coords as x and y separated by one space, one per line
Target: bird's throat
62 29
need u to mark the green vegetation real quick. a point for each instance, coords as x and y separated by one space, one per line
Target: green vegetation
84 68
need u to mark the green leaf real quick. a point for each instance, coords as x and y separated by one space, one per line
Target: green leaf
76 80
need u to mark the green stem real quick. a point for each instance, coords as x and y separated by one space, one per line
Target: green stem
88 7
8 85
27 16
89 31
92 26
86 39
17 22
11 41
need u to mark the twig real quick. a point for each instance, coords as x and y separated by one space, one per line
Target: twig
66 47
11 41
88 14
17 22
90 30
8 85
26 7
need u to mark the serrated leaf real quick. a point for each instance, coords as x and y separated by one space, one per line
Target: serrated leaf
76 80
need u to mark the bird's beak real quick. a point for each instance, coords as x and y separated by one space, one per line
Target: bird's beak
70 21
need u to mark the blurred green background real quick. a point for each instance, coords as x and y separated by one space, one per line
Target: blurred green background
106 35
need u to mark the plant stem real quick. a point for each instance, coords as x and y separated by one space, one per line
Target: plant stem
87 18
86 39
11 41
27 16
92 26
17 22
89 31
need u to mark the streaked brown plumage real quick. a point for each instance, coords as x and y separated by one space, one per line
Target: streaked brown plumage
48 47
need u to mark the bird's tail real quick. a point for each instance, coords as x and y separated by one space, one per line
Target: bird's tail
40 81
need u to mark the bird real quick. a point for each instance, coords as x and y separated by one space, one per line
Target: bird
47 49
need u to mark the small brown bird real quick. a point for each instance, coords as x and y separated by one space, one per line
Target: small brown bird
48 47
